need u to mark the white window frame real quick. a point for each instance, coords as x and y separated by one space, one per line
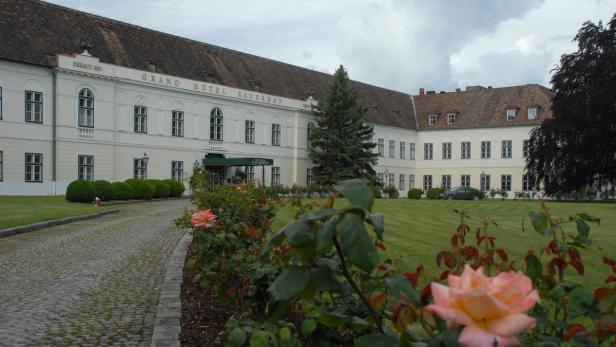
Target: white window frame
85 167
527 184
484 182
249 131
402 150
380 177
309 176
34 167
392 179
276 134
309 128
525 148
532 114
486 149
412 151
451 118
511 114
177 123
432 119
140 119
250 173
427 182
446 181
392 149
33 111
216 124
411 181
506 149
85 108
177 170
506 183
446 150
381 147
465 150
428 151
275 175
401 182
465 180
140 170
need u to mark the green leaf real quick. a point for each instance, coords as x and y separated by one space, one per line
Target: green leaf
275 241
398 285
356 244
534 269
377 221
333 320
308 326
358 193
325 236
377 340
580 300
326 279
190 264
259 338
300 234
582 228
285 334
359 322
279 309
290 283
203 282
556 293
321 214
237 337
540 223
588 218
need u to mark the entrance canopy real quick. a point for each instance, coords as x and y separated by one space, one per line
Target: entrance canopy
221 161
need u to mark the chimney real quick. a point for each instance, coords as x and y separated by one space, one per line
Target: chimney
489 87
422 91
442 92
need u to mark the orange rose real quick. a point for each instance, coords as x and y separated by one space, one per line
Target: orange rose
203 219
492 309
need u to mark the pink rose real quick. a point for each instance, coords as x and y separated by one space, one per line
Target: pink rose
492 309
203 219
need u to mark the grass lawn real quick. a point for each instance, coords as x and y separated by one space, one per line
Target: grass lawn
415 230
22 210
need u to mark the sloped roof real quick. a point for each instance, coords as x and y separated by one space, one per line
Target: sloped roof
484 107
32 31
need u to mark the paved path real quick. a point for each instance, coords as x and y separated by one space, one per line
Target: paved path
93 282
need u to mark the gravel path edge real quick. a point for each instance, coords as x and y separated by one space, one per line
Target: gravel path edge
41 225
167 324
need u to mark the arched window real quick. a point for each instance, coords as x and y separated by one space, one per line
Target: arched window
308 131
216 124
86 108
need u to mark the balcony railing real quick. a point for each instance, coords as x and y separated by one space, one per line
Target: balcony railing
217 146
85 133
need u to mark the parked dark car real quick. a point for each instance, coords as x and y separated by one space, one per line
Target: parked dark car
463 193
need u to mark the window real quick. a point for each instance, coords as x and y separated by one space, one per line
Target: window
177 123
506 183
466 150
402 150
177 170
275 134
250 173
392 180
446 182
85 167
380 176
465 180
432 119
411 181
249 131
141 119
34 107
486 149
484 183
392 148
511 113
308 132
34 167
381 147
427 182
275 175
447 150
427 151
86 108
527 183
139 168
309 177
412 151
216 124
532 113
1 166
451 117
401 182
0 102
525 148
506 149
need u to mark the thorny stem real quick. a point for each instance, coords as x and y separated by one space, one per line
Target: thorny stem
347 275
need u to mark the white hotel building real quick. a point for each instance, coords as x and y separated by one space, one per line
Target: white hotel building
83 96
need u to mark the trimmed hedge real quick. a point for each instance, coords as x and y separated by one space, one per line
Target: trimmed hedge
161 189
433 193
141 189
79 191
177 188
102 190
121 191
414 193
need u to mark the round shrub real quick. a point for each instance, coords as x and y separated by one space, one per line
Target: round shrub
161 189
376 192
102 190
121 191
414 193
433 193
80 191
177 188
141 189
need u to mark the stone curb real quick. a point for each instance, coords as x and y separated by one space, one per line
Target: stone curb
123 202
167 324
46 224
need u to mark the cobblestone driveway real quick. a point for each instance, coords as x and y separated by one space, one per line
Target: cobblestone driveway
87 283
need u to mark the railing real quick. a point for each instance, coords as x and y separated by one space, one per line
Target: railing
85 133
217 146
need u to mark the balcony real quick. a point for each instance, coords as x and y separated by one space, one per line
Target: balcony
85 133
219 146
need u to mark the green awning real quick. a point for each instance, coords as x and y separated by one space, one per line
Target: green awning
237 162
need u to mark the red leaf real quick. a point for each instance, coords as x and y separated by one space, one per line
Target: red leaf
502 254
470 252
413 277
229 291
576 260
383 268
450 260
380 245
284 250
440 256
475 265
610 262
574 329
454 241
420 268
445 274
551 247
425 293
610 279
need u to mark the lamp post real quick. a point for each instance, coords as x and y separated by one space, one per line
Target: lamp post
386 180
145 159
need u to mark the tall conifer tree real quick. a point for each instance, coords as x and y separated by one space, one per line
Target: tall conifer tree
341 143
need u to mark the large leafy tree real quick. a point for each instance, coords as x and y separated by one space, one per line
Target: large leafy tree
576 148
341 143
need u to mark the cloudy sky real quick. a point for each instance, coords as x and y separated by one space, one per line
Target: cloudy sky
397 44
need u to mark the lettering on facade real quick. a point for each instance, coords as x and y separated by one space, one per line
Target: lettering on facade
87 66
167 81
